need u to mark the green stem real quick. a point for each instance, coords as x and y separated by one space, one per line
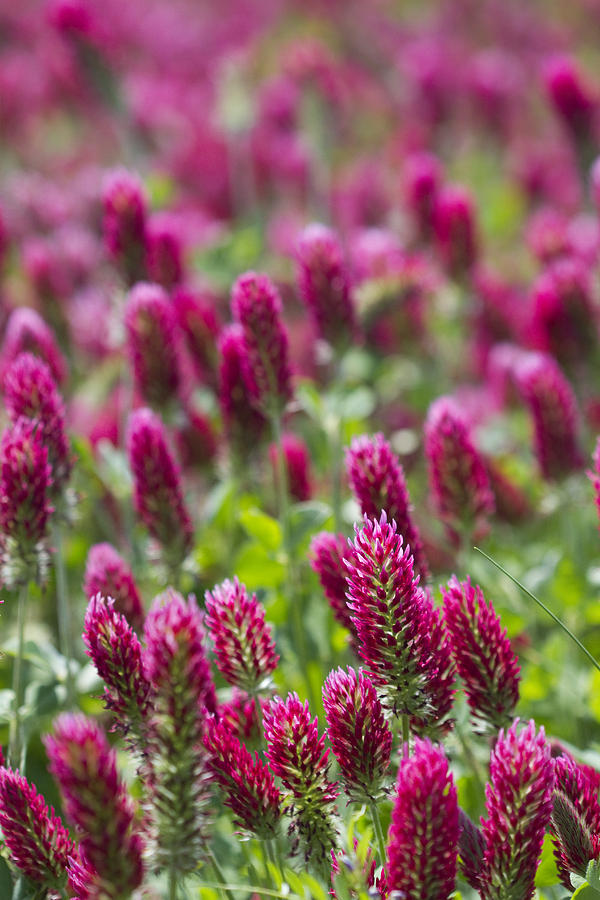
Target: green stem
212 859
172 884
471 759
16 729
64 612
378 832
336 474
406 734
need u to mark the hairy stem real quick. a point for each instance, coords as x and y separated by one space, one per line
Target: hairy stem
64 612
378 832
16 728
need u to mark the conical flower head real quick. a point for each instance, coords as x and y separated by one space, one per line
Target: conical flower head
575 821
107 573
424 831
324 283
422 181
244 424
297 755
198 320
248 785
455 230
256 306
358 732
244 648
519 804
553 408
571 96
152 342
30 391
296 459
327 554
27 332
471 847
125 223
377 481
158 496
38 842
96 802
484 659
458 480
564 315
164 251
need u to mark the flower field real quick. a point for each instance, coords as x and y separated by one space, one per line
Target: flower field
300 450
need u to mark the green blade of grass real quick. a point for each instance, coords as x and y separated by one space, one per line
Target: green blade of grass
549 612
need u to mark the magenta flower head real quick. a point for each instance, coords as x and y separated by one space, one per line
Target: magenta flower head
594 475
564 317
115 650
198 320
422 182
25 508
107 573
27 332
324 284
327 554
553 408
152 341
182 691
471 848
243 716
256 306
424 830
164 252
247 783
125 223
358 732
575 822
38 842
30 391
244 424
519 804
158 496
572 99
484 659
455 230
377 481
458 480
297 755
595 184
96 802
297 466
244 647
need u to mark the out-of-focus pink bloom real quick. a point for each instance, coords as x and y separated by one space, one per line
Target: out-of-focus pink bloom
378 483
38 842
595 184
196 439
296 465
243 715
458 481
198 319
455 230
575 822
158 494
297 755
164 251
125 217
547 234
553 408
107 573
573 99
256 306
422 182
484 659
244 424
424 831
327 554
243 644
96 802
152 340
518 804
26 331
324 283
248 784
511 501
564 319
358 732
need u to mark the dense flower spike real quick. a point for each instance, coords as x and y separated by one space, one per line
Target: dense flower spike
244 647
484 659
358 732
575 822
25 509
297 755
422 182
38 842
518 804
27 332
243 715
256 305
158 496
471 848
152 343
424 830
107 573
553 408
164 253
116 653
297 465
455 230
125 223
244 424
30 391
564 314
182 689
377 481
96 802
571 97
458 480
197 317
324 284
327 554
400 634
249 786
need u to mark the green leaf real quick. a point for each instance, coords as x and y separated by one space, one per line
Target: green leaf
585 892
307 518
258 569
257 524
592 874
547 873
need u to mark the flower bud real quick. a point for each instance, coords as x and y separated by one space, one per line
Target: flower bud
107 573
125 223
152 342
